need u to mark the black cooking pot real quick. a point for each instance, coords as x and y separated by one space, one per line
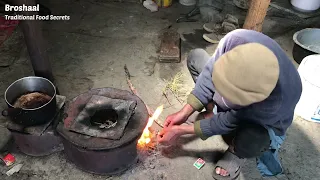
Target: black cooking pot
300 53
32 116
306 42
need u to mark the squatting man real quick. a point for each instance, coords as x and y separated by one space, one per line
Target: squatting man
249 89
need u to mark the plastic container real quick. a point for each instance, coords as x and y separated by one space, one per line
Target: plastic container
163 3
306 5
149 4
308 106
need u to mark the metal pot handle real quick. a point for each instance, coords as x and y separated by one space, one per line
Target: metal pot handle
11 112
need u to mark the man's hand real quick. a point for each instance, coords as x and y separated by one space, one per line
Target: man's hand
179 117
169 135
175 119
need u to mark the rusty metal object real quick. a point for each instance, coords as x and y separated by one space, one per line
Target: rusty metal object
170 46
98 110
133 130
34 145
101 155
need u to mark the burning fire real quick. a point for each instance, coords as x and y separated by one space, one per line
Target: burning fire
146 134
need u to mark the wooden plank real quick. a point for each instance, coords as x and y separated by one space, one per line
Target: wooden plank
256 14
170 47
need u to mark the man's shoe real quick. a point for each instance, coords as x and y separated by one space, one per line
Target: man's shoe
212 27
243 4
212 38
231 19
228 27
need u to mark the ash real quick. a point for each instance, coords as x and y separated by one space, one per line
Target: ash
151 165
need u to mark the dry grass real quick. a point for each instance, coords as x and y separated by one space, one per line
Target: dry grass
176 86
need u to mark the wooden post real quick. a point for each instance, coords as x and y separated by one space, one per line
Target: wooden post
35 43
256 14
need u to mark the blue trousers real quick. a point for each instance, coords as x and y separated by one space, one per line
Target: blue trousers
268 163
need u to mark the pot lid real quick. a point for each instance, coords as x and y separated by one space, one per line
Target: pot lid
309 69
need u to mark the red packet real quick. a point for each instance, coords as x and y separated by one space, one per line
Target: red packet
9 159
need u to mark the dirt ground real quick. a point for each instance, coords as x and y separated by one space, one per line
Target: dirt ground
90 51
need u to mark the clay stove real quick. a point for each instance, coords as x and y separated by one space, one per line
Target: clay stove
101 130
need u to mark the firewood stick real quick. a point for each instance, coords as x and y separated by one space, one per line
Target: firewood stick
165 95
176 96
134 91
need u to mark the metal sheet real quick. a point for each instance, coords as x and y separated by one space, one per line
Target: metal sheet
133 130
123 108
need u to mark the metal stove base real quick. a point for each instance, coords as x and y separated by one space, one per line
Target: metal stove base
120 171
35 145
102 162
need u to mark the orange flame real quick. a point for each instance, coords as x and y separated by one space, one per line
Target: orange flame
146 134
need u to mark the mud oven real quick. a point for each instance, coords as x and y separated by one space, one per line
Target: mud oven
98 131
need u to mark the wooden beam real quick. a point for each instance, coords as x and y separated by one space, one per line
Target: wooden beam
35 43
256 14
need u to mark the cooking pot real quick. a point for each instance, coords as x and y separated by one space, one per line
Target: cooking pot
30 116
306 42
